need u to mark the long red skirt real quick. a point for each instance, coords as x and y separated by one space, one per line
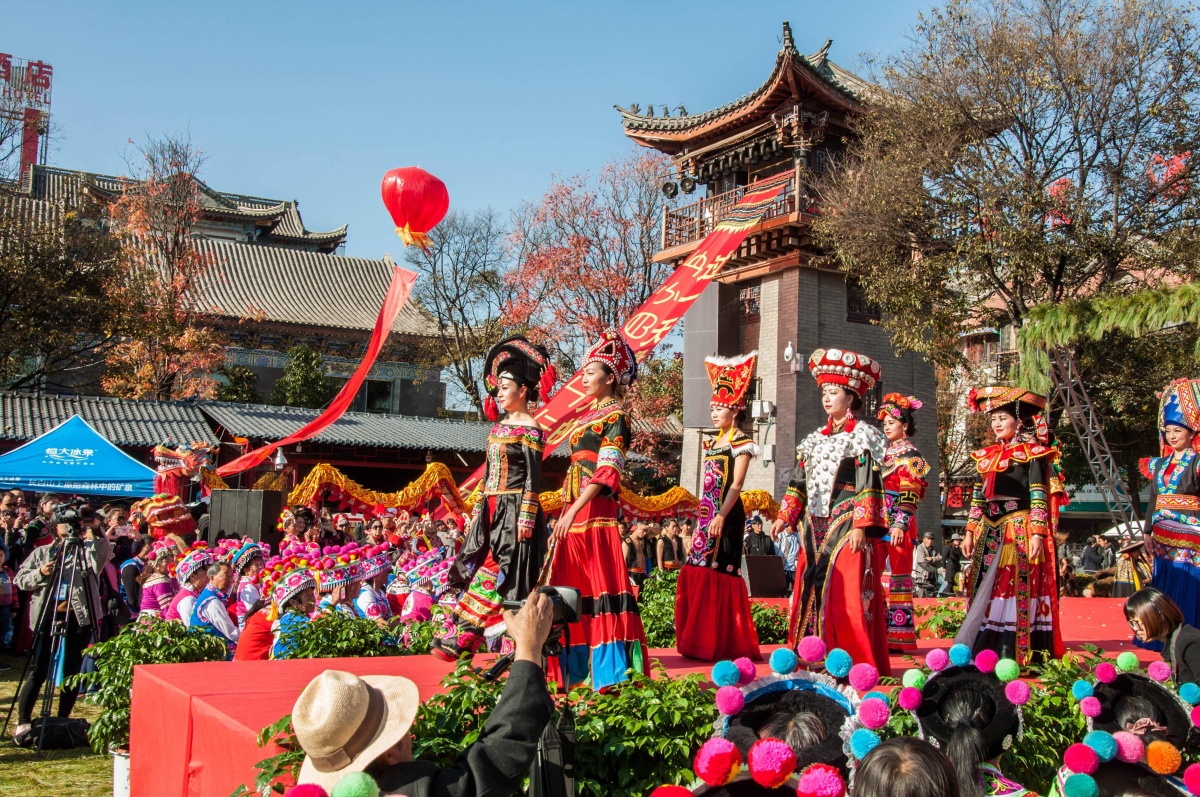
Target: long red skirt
712 616
853 612
608 640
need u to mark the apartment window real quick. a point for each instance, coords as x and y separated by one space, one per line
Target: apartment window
859 309
748 301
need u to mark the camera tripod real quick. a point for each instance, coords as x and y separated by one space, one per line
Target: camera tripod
70 569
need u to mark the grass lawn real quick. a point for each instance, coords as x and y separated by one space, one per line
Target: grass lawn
57 773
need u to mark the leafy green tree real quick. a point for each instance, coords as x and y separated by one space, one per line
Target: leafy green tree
238 384
303 383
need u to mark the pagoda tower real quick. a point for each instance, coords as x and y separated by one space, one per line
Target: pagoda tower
776 294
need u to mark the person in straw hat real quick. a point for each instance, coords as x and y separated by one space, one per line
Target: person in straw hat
347 724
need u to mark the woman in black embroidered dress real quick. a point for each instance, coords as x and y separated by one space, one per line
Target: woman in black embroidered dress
503 552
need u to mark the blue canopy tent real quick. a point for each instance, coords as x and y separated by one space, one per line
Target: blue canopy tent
75 458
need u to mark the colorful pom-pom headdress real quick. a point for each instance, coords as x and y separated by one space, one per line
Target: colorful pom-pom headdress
955 669
338 566
243 556
517 359
198 558
613 352
378 560
730 378
855 372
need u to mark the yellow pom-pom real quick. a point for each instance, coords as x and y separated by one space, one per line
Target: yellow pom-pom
1163 757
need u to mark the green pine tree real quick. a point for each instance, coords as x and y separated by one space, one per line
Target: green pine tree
303 383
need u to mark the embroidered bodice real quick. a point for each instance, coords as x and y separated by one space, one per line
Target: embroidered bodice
821 455
598 444
904 472
514 466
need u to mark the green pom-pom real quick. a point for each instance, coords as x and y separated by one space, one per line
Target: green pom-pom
1127 662
356 784
1007 670
915 679
1081 786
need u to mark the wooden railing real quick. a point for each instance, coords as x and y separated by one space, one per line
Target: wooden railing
691 223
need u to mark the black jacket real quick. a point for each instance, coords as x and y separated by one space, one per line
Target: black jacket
1091 559
758 544
499 759
1182 652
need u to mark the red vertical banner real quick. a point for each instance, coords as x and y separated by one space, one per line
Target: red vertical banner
654 320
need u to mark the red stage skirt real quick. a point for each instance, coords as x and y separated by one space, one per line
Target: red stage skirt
853 612
712 616
608 640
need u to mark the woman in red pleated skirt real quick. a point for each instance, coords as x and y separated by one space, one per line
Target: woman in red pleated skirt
712 610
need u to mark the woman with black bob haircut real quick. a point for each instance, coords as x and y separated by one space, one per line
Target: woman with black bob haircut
905 767
1155 618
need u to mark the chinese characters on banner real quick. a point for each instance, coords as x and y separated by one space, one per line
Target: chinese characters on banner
24 84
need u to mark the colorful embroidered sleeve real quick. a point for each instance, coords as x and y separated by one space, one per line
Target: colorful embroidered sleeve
610 458
911 490
532 446
869 502
1040 520
796 496
975 513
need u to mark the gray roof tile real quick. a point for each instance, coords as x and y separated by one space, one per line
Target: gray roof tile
24 416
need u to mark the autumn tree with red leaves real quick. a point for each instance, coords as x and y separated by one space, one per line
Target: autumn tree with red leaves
174 351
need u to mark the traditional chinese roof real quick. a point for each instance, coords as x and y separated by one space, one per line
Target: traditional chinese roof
296 286
354 428
124 422
795 78
278 220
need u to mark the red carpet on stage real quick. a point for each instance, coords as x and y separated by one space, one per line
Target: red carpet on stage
194 727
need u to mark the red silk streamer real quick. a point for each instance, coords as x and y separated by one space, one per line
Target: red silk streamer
655 319
397 295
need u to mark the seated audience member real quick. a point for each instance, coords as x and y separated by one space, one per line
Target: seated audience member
192 572
256 638
347 724
1155 618
210 612
905 767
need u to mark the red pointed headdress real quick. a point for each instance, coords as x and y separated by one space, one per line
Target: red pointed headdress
730 378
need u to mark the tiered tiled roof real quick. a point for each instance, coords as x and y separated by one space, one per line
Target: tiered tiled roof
124 422
278 219
275 283
794 74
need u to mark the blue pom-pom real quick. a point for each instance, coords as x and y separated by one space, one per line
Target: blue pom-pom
878 696
1081 689
1080 786
1190 693
960 655
784 661
863 741
1103 743
725 673
838 663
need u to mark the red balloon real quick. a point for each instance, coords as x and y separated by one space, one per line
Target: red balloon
417 201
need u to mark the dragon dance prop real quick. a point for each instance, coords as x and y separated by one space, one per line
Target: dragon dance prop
326 480
174 467
675 502
659 314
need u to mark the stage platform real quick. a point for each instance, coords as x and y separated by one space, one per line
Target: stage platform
194 726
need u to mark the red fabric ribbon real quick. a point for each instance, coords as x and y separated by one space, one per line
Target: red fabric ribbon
397 295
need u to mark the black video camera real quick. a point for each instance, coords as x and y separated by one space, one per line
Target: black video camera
564 602
71 515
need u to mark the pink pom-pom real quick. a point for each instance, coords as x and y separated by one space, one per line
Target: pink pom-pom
864 677
746 670
874 713
730 700
306 790
771 762
1196 715
937 660
1191 778
1081 759
821 780
1106 673
909 698
1130 748
671 790
811 649
1159 671
1090 706
986 660
717 762
1017 692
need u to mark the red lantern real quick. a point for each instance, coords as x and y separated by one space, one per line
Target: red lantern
417 201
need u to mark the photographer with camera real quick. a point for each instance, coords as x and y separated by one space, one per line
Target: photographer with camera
350 724
75 608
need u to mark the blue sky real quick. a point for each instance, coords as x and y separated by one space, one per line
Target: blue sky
315 101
